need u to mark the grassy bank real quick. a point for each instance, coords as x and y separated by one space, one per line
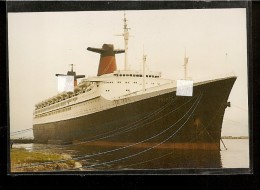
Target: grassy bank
21 157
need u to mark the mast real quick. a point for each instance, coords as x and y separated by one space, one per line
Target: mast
144 65
186 59
126 37
71 67
72 73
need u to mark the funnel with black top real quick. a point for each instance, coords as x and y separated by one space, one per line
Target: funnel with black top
72 73
107 62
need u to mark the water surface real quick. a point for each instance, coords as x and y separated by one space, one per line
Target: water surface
103 159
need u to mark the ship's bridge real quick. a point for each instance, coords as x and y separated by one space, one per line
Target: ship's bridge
125 82
122 73
125 73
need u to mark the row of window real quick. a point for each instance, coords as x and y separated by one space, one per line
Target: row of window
58 99
135 83
51 107
128 82
67 109
53 112
135 75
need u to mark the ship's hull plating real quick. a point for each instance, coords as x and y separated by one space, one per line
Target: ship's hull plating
165 121
166 131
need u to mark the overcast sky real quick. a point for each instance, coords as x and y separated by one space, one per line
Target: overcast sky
43 44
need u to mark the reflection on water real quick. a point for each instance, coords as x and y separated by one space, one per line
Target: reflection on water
142 159
93 158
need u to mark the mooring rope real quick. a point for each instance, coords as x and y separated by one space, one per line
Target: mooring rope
128 126
131 125
113 150
141 152
129 129
84 140
138 126
157 158
20 132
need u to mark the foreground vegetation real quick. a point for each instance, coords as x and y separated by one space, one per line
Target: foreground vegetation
31 161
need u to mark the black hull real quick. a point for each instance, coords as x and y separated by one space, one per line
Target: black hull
166 131
165 121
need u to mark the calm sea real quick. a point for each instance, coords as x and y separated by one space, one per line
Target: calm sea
237 153
236 156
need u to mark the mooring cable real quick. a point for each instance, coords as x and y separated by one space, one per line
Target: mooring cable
20 132
137 127
88 156
131 125
133 155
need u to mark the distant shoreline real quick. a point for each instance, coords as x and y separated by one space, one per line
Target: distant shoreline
22 141
31 140
231 137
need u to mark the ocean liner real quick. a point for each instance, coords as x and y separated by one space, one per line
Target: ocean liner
133 109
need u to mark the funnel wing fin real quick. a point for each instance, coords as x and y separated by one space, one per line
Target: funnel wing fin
97 50
119 51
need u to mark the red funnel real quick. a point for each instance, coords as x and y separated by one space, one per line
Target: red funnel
107 62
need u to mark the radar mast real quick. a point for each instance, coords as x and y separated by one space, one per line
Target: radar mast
186 59
126 37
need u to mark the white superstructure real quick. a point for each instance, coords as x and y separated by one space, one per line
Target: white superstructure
98 93
103 92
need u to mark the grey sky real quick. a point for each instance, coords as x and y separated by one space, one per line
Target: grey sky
43 44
